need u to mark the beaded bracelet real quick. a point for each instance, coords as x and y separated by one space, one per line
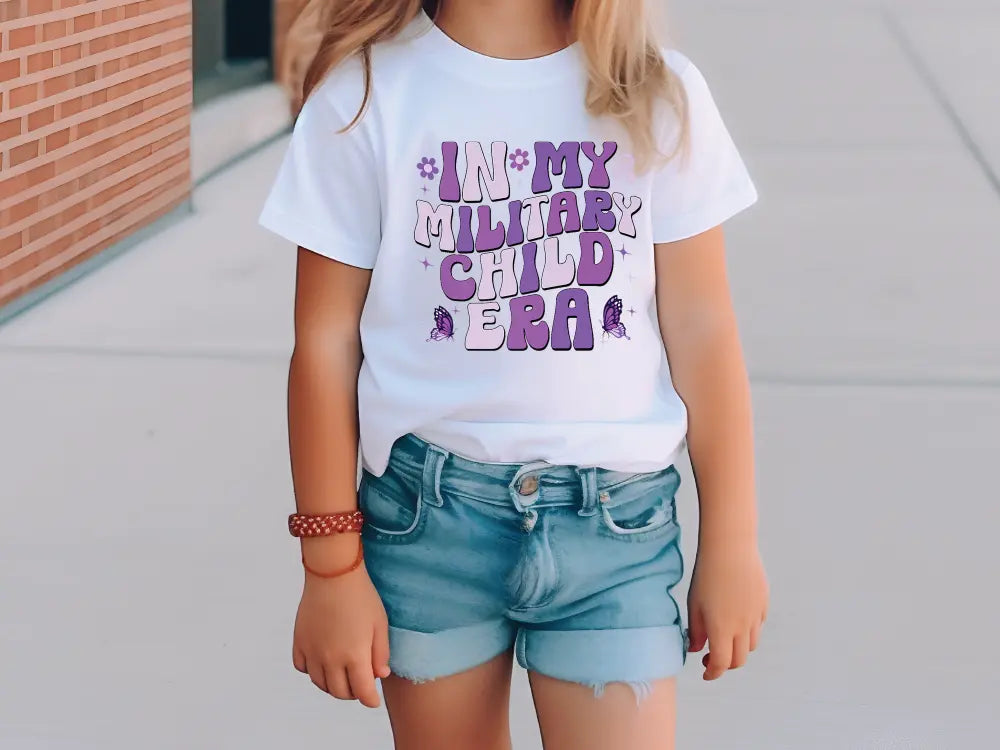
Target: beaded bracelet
304 524
325 524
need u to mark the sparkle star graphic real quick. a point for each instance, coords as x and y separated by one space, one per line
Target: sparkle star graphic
455 310
426 263
424 188
631 311
624 252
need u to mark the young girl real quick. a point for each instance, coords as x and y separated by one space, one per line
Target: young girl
508 217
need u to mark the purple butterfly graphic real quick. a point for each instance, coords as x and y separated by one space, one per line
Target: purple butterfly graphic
612 321
444 326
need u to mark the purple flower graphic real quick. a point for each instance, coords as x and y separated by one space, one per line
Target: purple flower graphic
427 168
519 159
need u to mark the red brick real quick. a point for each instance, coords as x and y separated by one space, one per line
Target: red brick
21 37
10 69
58 246
40 61
71 107
177 92
58 193
42 228
56 140
10 10
41 118
84 23
73 212
100 44
23 209
179 46
53 30
57 85
85 231
10 128
12 185
70 53
23 95
38 175
23 153
138 58
40 6
85 76
10 243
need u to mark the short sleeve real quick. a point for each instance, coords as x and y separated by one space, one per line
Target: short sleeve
325 197
702 188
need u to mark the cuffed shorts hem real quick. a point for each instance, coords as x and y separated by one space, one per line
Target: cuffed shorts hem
421 656
597 657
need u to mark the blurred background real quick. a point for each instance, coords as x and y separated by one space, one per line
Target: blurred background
147 585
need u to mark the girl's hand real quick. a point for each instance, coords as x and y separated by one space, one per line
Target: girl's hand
727 605
342 636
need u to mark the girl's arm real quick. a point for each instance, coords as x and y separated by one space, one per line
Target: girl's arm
728 597
341 632
323 388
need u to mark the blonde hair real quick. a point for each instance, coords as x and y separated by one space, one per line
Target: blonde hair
628 76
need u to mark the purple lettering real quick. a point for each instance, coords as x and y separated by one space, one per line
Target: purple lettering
572 303
526 324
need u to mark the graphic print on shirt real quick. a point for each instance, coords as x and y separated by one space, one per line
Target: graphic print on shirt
612 320
562 227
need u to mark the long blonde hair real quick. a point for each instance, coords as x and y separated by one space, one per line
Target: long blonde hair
627 74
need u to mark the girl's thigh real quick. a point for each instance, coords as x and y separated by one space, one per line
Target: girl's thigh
571 717
461 711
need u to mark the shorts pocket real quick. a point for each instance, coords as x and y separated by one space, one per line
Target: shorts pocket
394 511
641 510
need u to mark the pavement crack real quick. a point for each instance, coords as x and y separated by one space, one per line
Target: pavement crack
923 71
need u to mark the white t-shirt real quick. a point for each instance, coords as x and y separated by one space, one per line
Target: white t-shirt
511 315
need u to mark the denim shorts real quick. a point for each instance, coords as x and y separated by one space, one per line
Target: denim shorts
572 566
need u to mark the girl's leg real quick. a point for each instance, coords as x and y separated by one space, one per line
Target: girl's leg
465 710
571 717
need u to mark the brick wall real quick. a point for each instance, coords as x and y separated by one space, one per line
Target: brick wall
95 104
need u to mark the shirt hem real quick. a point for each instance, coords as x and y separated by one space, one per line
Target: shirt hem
660 434
691 225
314 239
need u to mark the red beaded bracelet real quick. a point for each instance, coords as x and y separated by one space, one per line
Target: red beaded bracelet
304 524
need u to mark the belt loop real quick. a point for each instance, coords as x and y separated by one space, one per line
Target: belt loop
588 481
431 481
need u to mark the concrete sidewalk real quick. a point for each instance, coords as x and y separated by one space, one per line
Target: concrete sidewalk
143 409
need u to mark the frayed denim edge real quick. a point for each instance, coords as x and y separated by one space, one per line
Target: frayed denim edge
640 688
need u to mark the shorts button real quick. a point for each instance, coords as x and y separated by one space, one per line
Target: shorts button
528 485
604 497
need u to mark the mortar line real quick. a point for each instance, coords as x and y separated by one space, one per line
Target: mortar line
924 73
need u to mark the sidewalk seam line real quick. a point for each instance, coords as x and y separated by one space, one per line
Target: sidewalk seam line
136 353
760 378
923 71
